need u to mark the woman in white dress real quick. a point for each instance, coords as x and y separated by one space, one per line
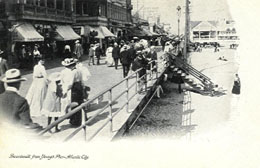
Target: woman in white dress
37 92
67 80
109 58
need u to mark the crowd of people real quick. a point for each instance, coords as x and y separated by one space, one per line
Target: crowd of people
51 95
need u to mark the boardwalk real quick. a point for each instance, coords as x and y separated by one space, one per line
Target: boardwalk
102 78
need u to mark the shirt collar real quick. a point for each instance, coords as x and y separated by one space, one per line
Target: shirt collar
12 89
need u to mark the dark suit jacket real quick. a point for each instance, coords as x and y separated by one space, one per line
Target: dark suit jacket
14 108
3 67
98 52
116 52
125 57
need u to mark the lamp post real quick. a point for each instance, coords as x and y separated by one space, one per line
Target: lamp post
179 15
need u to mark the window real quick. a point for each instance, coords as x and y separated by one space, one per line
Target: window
85 8
50 3
79 8
59 4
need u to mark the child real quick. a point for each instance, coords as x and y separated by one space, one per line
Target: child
52 102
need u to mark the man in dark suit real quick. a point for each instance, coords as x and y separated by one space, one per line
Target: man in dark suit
125 59
3 64
116 54
14 108
98 53
3 69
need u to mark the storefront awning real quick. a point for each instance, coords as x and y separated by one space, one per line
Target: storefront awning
26 33
102 32
66 33
147 32
137 32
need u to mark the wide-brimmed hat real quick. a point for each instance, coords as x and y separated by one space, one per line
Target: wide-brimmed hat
12 76
139 52
69 61
55 76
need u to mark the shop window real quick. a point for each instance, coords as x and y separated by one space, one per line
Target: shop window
79 8
59 4
29 2
50 3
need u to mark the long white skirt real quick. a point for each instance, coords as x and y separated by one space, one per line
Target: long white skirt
36 95
109 60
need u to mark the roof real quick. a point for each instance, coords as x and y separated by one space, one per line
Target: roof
204 25
194 24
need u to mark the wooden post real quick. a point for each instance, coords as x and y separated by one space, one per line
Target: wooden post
55 4
127 95
145 81
83 115
63 6
110 110
136 85
151 71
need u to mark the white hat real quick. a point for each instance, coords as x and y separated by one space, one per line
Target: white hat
77 41
56 76
69 61
12 76
1 52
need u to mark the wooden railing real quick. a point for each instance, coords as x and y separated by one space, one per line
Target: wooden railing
152 74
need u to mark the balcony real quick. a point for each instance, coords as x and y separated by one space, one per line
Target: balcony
2 8
32 12
130 7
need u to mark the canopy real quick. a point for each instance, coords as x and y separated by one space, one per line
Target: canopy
102 32
147 32
137 32
26 33
66 33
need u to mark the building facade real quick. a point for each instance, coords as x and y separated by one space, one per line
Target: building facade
223 32
114 15
27 22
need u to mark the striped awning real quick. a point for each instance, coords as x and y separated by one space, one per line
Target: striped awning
66 33
26 33
103 32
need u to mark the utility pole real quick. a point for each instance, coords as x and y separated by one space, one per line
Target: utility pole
187 30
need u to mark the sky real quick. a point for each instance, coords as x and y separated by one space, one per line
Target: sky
200 10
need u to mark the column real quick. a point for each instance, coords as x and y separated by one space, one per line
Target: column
45 3
55 4
63 5
199 35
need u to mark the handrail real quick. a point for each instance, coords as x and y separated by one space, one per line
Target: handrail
193 71
110 103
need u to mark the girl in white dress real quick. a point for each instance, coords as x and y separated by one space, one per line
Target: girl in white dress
52 103
109 58
37 92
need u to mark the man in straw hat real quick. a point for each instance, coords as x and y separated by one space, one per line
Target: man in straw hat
78 50
13 107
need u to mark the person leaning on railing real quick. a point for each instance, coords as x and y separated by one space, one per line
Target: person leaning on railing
140 64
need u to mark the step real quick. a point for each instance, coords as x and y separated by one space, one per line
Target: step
179 72
183 75
172 66
175 69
